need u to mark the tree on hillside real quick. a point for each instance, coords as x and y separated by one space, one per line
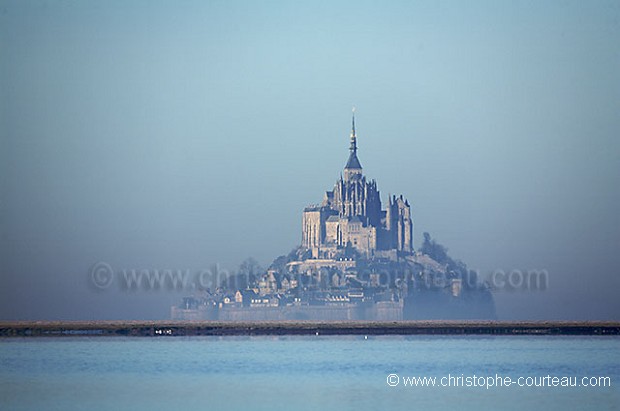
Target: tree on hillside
434 250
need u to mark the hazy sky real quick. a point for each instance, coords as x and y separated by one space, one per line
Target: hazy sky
179 135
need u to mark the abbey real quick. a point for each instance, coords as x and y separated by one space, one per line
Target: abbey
356 261
351 216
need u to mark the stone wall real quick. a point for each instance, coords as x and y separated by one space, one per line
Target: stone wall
382 311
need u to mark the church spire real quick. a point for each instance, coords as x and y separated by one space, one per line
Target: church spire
353 167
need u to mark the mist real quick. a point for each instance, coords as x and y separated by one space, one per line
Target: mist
144 135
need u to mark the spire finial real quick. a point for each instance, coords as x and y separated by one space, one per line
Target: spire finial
353 147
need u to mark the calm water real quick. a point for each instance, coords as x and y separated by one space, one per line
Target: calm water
298 373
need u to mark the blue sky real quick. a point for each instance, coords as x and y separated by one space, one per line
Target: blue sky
184 134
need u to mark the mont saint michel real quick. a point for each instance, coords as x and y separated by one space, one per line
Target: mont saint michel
356 261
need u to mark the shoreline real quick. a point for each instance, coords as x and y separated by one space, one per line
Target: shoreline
165 328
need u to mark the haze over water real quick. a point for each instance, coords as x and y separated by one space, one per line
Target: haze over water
160 135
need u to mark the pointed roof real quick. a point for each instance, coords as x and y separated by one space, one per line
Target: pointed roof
355 219
353 162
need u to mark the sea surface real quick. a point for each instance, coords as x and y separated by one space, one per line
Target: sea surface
302 373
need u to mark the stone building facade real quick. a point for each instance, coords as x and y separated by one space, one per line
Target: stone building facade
351 216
